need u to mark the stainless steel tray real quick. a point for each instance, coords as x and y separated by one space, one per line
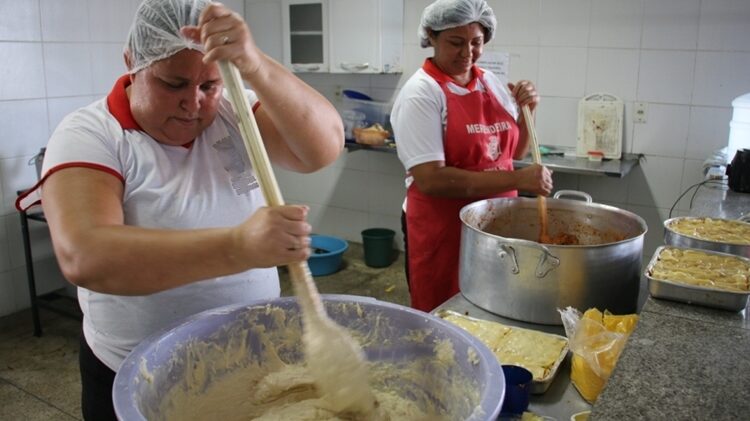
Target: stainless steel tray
691 294
538 386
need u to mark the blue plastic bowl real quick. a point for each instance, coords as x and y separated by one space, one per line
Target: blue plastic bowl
356 95
326 254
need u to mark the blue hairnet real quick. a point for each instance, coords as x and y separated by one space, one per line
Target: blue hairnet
446 14
155 32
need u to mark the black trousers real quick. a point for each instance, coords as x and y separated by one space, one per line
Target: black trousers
96 386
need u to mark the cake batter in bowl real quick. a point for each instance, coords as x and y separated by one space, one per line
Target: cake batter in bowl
246 362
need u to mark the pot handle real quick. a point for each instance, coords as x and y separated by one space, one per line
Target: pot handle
583 195
507 250
547 262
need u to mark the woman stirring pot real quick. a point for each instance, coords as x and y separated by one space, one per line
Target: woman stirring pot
458 130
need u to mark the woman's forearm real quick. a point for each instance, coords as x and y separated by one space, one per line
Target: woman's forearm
97 251
452 182
126 260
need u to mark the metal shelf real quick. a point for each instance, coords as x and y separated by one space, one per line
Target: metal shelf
388 148
556 161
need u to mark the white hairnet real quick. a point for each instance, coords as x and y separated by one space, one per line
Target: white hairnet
446 14
155 32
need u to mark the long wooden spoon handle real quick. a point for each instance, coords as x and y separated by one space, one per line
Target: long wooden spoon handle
537 157
340 373
299 271
535 154
251 134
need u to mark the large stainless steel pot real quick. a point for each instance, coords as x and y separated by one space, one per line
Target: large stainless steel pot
504 270
674 238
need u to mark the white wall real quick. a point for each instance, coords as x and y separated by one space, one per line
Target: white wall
686 59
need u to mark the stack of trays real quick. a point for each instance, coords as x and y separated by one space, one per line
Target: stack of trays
706 261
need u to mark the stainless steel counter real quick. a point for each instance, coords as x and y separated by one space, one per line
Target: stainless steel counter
561 399
556 161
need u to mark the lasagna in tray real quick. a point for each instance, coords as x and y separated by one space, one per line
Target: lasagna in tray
698 268
537 352
711 229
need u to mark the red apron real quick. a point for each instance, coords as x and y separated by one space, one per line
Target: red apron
480 135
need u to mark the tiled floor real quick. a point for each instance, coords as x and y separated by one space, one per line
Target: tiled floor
39 376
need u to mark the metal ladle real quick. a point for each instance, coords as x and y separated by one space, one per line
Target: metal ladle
334 359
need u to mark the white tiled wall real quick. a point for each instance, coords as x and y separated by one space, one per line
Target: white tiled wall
58 55
686 59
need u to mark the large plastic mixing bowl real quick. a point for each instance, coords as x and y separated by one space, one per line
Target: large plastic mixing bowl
472 386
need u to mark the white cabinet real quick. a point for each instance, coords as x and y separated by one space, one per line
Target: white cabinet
305 35
365 36
342 36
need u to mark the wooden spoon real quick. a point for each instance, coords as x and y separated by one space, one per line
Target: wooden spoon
334 359
537 157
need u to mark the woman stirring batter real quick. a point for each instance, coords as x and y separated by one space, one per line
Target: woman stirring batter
154 209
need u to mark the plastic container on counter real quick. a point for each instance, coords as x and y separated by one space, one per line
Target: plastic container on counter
374 111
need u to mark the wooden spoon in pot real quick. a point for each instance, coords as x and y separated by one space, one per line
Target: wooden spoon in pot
544 238
335 360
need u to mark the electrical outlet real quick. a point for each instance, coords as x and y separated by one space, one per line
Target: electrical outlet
337 92
639 112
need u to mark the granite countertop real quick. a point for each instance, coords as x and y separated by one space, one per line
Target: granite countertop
717 200
683 361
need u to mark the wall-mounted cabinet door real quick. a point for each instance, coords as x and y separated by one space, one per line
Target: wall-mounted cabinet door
366 36
305 34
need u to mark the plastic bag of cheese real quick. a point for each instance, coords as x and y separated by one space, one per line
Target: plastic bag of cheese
596 340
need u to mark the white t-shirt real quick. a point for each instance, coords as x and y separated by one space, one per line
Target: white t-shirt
419 115
208 184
